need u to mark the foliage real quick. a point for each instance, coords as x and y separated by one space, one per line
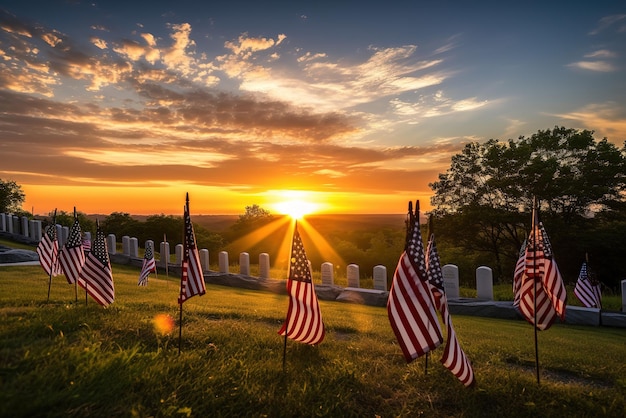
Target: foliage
253 217
483 202
157 228
89 361
67 219
11 197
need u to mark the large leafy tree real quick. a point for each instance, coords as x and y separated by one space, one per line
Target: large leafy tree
11 197
486 195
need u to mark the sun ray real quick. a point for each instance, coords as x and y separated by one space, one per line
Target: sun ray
322 246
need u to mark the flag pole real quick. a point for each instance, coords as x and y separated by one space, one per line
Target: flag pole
287 318
167 260
417 220
185 259
593 283
53 261
535 275
75 281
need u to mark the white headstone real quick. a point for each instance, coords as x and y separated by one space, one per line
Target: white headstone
10 223
328 274
65 233
25 227
164 253
244 264
35 230
624 295
126 245
264 265
484 283
450 274
352 272
59 229
223 261
149 244
134 247
111 245
380 278
179 254
204 259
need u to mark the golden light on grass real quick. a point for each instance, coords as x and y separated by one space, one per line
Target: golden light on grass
163 324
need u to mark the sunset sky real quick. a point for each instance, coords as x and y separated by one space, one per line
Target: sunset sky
351 106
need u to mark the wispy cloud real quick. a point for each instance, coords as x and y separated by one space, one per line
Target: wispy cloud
595 66
606 119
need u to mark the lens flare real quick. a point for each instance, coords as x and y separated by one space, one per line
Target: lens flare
163 324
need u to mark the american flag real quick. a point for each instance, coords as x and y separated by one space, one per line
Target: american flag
410 307
453 358
587 288
48 250
72 256
520 267
96 277
192 278
541 282
304 318
149 266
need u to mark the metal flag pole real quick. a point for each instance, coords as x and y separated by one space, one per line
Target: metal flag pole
182 273
167 259
535 276
593 283
53 261
76 279
287 318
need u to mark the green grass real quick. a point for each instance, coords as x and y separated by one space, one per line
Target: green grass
66 358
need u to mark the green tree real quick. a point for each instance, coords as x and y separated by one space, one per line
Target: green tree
67 219
121 224
254 217
485 197
11 197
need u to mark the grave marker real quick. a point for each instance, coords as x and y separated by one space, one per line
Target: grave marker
450 274
328 274
244 264
223 260
484 283
380 278
264 265
353 275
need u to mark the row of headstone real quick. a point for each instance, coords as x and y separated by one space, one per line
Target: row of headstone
21 225
484 276
484 282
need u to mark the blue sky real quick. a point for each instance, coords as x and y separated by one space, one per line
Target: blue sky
354 105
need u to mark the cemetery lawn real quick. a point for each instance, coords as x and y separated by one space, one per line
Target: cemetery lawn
68 359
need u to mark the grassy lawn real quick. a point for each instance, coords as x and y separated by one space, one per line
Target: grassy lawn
68 358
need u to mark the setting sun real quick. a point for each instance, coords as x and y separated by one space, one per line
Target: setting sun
296 208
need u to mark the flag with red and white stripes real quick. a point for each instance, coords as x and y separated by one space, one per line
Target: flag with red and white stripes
304 318
541 296
520 267
192 277
72 256
149 266
410 306
587 288
453 357
96 276
48 250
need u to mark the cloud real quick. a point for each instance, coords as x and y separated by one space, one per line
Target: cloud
609 21
601 53
595 66
435 105
606 119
